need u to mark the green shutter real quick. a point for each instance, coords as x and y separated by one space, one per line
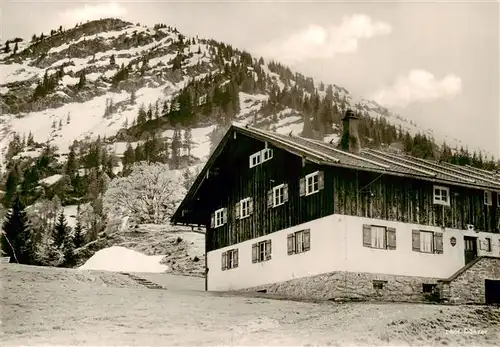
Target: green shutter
321 180
270 198
391 238
237 210
415 240
235 258
367 235
224 261
302 186
255 251
291 243
438 243
307 239
268 249
285 193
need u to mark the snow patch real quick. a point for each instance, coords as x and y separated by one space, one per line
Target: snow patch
121 259
50 180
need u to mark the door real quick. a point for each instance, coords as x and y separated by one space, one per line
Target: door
492 292
470 249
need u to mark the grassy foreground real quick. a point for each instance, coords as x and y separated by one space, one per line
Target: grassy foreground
48 306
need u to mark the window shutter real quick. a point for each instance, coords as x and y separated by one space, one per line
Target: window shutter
415 240
255 250
270 198
268 249
237 210
302 186
291 243
212 220
250 206
367 235
224 215
224 261
235 258
438 243
391 238
285 193
307 240
321 180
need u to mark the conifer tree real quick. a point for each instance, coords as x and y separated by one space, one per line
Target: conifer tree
60 230
16 239
79 237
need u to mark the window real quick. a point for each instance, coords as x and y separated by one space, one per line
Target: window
426 244
488 198
261 251
378 284
267 154
299 242
261 156
255 159
277 196
441 195
244 208
230 259
219 218
428 288
379 237
427 241
486 245
312 183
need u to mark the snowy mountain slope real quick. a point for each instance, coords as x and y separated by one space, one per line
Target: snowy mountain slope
158 61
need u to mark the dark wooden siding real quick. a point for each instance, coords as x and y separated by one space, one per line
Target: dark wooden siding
241 182
349 192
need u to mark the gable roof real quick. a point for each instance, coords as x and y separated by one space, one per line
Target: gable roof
383 162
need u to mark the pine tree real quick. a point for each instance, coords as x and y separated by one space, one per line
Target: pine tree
10 187
16 48
79 238
68 249
16 240
112 60
60 230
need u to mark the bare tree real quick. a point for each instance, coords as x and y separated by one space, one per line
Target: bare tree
149 194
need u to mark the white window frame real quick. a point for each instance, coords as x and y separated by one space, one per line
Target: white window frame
383 230
422 232
438 198
219 215
488 198
277 189
258 158
267 151
244 207
311 177
230 255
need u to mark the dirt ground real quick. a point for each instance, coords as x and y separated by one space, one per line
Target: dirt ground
46 306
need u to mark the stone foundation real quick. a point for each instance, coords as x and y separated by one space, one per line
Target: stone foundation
467 285
350 285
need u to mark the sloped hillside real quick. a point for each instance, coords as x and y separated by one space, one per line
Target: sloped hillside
110 77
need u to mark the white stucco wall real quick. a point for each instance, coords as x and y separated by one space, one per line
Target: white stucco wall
337 245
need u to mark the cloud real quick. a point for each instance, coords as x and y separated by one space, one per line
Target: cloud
94 11
418 86
325 42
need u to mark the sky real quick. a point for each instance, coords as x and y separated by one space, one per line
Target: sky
436 63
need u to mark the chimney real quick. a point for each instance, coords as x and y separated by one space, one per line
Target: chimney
350 138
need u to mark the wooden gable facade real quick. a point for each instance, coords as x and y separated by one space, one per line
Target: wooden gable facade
230 177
